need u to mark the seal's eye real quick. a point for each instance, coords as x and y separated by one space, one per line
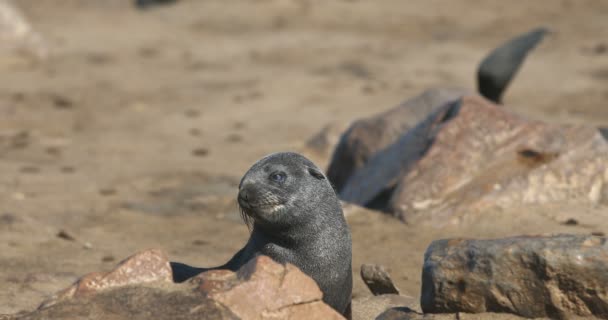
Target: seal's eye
278 176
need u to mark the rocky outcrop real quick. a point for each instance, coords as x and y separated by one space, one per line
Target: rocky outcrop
474 155
144 267
366 137
531 276
141 287
264 289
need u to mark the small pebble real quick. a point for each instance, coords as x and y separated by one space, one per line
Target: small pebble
65 235
191 113
107 192
194 132
67 169
198 242
108 258
200 152
29 169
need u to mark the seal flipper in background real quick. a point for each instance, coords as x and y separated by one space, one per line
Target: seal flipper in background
500 66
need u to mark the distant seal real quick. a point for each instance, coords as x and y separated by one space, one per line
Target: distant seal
296 217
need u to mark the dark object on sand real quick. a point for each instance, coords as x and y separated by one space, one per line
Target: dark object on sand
500 66
377 280
144 4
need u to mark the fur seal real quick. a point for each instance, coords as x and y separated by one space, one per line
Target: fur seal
295 216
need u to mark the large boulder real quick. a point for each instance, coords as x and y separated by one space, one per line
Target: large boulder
532 276
472 155
366 137
141 287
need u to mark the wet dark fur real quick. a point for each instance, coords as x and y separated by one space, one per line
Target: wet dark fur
308 230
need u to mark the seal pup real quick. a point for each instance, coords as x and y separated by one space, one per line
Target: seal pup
294 216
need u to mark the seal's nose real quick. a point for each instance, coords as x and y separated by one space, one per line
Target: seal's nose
244 196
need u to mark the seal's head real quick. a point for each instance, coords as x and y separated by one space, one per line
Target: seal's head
277 184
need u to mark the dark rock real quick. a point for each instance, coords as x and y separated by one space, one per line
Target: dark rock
62 234
470 156
377 280
200 152
145 4
366 137
531 276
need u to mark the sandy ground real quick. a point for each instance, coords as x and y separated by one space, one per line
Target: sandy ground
136 130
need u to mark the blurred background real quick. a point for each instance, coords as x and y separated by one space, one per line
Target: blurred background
126 127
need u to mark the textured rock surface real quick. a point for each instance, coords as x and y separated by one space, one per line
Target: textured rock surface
143 267
366 137
141 287
137 302
378 280
264 289
488 156
532 276
474 155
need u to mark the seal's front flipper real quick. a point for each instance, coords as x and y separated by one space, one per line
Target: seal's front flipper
183 272
500 66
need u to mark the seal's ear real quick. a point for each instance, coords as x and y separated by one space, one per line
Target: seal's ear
315 173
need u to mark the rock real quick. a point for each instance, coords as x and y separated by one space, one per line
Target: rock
141 287
323 142
146 266
406 314
470 156
377 279
16 34
264 289
370 307
366 137
532 276
135 303
373 184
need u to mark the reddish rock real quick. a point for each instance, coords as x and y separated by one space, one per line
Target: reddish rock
532 276
141 287
487 157
264 289
474 155
146 266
